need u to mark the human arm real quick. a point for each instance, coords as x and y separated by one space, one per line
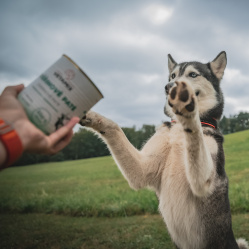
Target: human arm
32 139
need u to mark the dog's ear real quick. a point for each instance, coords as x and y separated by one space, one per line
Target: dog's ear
171 63
218 65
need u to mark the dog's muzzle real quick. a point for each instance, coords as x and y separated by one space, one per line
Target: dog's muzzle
168 87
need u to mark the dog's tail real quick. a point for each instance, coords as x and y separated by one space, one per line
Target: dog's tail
242 243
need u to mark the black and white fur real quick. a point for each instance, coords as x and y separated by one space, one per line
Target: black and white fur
184 161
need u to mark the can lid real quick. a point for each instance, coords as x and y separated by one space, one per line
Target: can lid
83 74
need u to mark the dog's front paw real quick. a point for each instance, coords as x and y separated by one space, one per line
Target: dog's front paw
93 120
87 120
182 100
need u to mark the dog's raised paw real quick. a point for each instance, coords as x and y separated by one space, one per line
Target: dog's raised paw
182 100
90 119
85 121
95 121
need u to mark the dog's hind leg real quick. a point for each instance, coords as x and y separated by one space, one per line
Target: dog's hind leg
242 243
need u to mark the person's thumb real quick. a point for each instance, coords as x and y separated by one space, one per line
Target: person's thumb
13 90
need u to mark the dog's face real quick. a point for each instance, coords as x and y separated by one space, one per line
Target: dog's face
205 81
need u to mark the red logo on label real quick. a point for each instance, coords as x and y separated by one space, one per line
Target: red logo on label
70 74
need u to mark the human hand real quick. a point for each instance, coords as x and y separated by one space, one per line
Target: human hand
32 138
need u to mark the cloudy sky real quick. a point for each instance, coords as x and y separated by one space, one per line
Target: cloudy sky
123 47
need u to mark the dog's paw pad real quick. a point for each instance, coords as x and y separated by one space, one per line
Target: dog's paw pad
181 99
184 95
173 93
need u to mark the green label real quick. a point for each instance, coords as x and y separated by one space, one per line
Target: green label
58 93
41 117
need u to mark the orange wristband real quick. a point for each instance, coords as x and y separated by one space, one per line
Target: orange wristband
11 141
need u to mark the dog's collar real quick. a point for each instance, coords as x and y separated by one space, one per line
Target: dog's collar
212 122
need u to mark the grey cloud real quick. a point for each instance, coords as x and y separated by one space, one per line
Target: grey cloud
118 47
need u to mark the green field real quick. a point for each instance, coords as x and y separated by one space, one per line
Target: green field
88 204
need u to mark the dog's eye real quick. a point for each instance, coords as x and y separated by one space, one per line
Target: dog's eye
193 75
173 75
197 93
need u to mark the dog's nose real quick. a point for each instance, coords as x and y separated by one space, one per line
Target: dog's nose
168 86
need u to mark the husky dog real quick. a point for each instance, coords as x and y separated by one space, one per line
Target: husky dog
184 160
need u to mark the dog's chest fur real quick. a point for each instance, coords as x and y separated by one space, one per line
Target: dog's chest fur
179 207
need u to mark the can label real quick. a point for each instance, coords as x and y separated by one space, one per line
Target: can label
61 92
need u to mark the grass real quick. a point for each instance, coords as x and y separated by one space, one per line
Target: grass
49 205
71 232
92 187
237 167
39 231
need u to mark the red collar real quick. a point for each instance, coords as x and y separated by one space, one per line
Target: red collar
211 122
205 123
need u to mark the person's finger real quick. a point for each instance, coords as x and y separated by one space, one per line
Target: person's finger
73 122
13 90
63 142
55 137
19 88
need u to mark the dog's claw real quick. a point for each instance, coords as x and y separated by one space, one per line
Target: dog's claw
85 121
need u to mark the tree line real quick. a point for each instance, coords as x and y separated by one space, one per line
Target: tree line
85 144
234 123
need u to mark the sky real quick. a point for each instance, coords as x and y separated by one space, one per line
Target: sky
123 47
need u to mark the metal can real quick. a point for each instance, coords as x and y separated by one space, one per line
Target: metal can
61 92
